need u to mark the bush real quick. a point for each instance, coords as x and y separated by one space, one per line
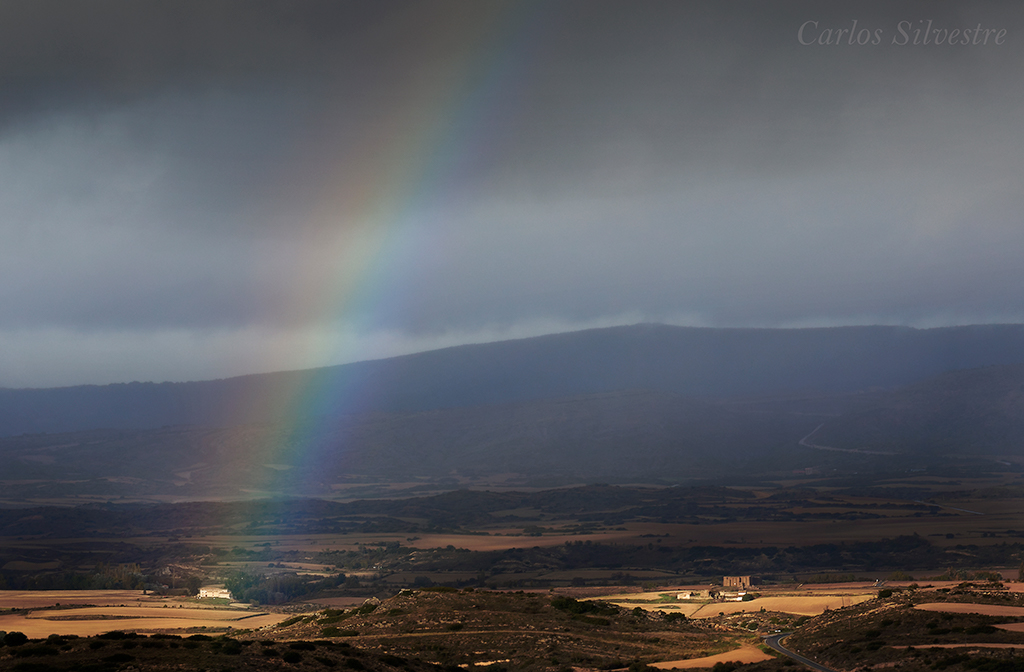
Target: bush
569 605
15 638
291 657
884 593
336 632
118 634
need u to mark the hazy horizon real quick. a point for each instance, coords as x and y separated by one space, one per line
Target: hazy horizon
457 342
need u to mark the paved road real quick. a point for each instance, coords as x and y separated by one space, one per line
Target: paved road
775 641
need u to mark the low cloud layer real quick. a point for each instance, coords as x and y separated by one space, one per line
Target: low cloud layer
196 190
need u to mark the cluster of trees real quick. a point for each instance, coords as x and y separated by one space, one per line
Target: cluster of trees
277 588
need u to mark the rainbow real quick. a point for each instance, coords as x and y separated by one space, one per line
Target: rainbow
367 228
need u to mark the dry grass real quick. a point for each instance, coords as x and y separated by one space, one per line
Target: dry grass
117 610
39 627
808 605
807 602
967 608
746 653
36 599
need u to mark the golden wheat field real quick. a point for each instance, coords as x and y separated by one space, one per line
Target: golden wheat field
92 612
746 653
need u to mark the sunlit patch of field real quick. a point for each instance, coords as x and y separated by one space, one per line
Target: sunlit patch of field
36 599
806 605
746 653
806 602
90 621
967 608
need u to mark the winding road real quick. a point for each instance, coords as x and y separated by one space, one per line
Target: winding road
805 442
775 641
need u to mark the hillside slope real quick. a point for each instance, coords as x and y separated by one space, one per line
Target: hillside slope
688 361
971 412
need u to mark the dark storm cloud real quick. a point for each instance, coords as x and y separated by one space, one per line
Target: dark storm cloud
180 178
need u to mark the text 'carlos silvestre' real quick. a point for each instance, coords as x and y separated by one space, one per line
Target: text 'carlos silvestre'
905 33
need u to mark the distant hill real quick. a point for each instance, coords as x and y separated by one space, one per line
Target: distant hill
969 412
707 363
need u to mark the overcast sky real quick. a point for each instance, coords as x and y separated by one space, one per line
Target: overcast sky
192 190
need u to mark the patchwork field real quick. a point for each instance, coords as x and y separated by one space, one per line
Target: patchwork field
87 613
35 599
808 602
967 608
746 653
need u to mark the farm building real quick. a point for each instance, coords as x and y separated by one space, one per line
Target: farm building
693 594
740 582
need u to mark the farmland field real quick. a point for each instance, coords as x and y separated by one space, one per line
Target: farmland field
58 612
808 602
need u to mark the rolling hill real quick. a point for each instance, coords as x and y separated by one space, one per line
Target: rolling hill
970 412
698 362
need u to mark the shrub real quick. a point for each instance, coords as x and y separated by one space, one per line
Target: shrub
26 651
15 638
336 632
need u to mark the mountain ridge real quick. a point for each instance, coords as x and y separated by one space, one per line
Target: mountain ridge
692 361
